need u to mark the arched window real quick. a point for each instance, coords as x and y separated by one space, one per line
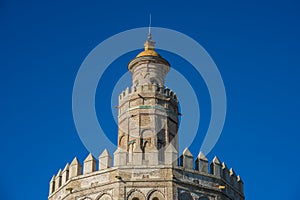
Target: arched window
155 195
135 195
123 142
105 197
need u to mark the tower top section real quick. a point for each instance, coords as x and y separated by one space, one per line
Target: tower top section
149 44
149 54
149 48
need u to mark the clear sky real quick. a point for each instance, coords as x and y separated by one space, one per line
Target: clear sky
255 45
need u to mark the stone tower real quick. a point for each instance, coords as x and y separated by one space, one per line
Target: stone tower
148 114
146 162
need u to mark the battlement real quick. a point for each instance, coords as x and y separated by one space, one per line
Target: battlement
75 169
152 89
226 179
215 168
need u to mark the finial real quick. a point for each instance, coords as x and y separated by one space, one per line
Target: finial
149 31
149 44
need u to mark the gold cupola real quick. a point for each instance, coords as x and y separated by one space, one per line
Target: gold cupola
149 55
149 48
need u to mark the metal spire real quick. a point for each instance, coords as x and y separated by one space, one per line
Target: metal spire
149 44
149 31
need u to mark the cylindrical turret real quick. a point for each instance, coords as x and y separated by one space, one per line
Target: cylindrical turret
148 67
148 114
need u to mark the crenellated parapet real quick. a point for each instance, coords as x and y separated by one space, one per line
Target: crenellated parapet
228 181
150 90
197 171
76 169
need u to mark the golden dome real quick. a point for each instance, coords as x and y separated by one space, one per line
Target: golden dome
148 52
149 48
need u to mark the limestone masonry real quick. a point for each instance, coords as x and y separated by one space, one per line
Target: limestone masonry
146 162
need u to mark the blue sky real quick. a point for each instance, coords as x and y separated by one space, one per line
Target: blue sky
255 45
